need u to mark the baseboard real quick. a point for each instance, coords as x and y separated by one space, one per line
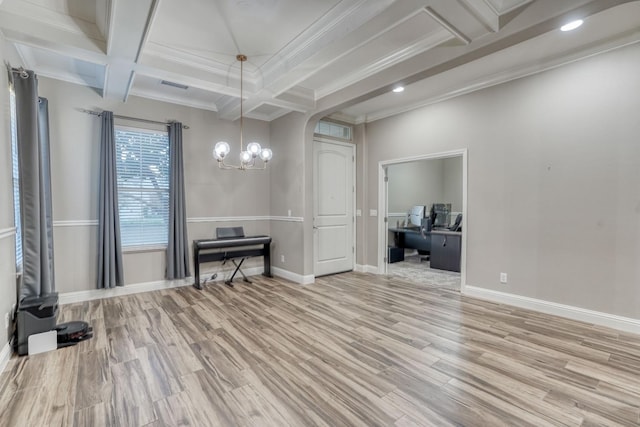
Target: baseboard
613 321
93 294
366 269
5 355
294 277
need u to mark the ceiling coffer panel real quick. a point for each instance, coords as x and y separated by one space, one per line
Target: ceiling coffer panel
309 56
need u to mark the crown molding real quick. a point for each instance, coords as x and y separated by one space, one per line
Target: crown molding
42 17
193 59
514 73
337 23
417 48
187 102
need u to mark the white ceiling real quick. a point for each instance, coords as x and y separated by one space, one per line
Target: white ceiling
336 56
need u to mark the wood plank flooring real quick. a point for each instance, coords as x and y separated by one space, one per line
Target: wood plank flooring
350 350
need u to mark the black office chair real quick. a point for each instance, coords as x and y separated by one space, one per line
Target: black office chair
457 224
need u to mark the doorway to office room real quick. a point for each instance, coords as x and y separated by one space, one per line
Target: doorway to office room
417 183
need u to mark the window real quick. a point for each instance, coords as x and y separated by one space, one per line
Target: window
16 180
142 164
333 130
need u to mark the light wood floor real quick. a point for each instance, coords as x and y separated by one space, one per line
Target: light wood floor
351 349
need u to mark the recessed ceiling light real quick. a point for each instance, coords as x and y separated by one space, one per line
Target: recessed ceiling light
399 89
571 25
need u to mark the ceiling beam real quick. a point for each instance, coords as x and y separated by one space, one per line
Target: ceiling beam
129 25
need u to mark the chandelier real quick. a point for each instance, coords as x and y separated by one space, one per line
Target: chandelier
254 151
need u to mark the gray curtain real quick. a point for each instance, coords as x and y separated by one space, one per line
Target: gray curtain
110 270
177 249
35 186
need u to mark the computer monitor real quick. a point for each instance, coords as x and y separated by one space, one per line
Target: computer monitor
439 215
416 213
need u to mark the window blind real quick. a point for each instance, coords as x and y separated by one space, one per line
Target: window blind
142 164
15 171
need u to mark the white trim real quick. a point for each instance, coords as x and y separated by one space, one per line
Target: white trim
620 323
7 232
93 294
76 223
245 218
287 218
366 269
5 355
294 277
93 222
500 77
136 288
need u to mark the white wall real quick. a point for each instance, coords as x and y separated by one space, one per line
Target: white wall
553 180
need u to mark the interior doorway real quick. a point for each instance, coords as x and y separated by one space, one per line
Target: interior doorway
418 183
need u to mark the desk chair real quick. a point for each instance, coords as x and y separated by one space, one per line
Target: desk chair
457 224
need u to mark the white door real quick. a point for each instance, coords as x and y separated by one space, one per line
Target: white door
334 193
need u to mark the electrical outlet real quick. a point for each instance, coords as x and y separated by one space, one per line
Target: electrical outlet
282 259
6 320
503 277
289 212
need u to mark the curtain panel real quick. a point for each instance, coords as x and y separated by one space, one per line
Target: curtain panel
177 248
36 214
110 267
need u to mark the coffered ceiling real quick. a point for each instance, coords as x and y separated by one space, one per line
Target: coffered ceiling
303 55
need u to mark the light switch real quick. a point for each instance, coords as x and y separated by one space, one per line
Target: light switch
358 212
373 212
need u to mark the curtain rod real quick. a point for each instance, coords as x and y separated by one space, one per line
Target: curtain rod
117 116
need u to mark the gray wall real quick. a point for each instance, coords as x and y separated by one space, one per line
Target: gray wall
211 193
452 183
415 183
7 237
287 192
424 182
553 180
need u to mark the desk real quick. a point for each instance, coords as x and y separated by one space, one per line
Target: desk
411 238
446 247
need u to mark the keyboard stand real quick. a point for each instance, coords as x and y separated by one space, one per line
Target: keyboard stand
229 282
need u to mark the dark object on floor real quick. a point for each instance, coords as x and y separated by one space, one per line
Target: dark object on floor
395 254
71 333
35 315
